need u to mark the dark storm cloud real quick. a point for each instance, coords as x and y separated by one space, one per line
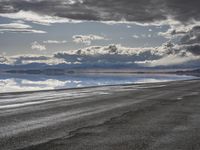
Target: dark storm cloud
192 36
189 39
108 10
184 10
194 49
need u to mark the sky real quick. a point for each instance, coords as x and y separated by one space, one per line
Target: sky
100 34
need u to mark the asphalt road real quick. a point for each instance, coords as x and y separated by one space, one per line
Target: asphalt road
154 116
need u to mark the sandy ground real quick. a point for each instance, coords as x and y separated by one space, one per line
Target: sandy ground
156 116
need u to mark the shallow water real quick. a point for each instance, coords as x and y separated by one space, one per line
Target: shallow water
23 82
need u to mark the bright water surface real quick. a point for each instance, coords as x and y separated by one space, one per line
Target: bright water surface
23 82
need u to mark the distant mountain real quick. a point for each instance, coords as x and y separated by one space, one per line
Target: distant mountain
195 72
64 71
63 68
44 71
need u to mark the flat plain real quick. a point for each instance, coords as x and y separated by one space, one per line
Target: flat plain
153 116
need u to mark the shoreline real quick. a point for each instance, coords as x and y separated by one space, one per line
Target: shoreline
97 86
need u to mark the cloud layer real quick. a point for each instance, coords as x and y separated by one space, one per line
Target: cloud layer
183 16
54 42
87 39
168 55
16 27
37 46
34 17
109 10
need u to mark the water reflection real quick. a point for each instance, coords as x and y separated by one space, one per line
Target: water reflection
22 82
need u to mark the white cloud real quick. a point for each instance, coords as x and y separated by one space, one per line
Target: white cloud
169 60
54 42
87 39
37 18
165 55
21 31
135 36
113 56
177 29
35 45
17 27
110 50
3 59
72 2
28 59
172 54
